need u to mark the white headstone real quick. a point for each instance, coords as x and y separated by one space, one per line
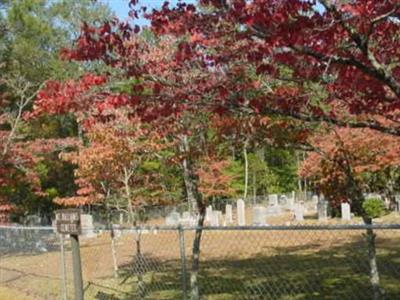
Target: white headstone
215 218
346 215
273 199
259 215
322 210
283 200
397 198
241 218
290 204
117 230
228 214
299 212
87 225
273 210
172 219
208 213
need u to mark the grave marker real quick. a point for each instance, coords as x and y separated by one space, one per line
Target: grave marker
322 210
299 212
241 218
259 215
346 215
228 214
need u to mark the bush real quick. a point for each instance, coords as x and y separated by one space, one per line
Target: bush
374 207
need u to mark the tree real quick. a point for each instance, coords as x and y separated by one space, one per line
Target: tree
344 53
342 166
33 32
301 79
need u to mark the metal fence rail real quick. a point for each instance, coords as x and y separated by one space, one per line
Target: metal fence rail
272 262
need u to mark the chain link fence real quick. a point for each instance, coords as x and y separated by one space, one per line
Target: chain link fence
275 262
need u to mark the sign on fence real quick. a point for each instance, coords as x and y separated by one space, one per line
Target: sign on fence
68 221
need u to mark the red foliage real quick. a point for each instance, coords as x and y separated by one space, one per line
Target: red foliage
213 180
360 151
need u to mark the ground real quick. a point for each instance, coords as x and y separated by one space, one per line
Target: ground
307 264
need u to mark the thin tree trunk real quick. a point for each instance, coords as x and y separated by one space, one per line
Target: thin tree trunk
192 185
246 170
373 266
190 193
114 252
133 221
358 200
299 185
194 276
140 267
112 233
254 188
127 176
112 236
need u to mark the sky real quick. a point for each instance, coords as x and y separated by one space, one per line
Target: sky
120 7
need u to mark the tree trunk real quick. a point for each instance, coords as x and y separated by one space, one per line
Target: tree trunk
299 184
133 221
112 236
254 188
114 252
140 267
190 189
358 199
194 276
373 266
246 170
191 184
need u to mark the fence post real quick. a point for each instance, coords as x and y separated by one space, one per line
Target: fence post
183 260
63 268
77 267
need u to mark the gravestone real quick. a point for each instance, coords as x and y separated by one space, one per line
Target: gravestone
259 215
219 213
187 219
290 204
397 199
208 213
273 199
346 215
186 215
241 217
228 214
273 210
322 210
299 212
314 201
87 226
283 200
33 220
117 230
215 218
172 219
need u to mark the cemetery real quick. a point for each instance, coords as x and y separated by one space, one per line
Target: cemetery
199 149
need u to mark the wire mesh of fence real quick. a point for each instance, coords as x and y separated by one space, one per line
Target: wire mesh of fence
275 262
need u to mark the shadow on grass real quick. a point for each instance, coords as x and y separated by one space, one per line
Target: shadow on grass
340 272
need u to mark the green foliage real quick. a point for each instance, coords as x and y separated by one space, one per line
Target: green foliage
36 30
373 207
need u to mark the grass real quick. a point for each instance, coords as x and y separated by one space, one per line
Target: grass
283 265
